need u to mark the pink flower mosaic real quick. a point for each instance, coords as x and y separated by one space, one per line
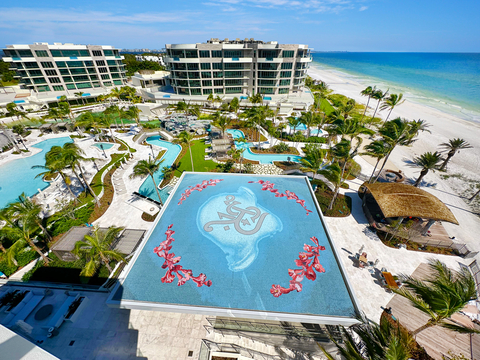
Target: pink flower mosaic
171 262
308 268
198 187
290 195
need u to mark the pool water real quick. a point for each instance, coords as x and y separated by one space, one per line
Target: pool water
303 127
106 146
262 158
148 187
17 176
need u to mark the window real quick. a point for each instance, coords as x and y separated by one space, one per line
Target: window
207 91
194 83
107 83
71 86
264 90
88 63
35 73
39 81
41 53
217 54
25 53
206 82
108 53
287 65
233 90
91 71
217 74
233 66
93 77
267 74
58 88
100 63
113 69
196 91
288 53
61 64
106 77
233 74
96 84
31 65
84 85
54 80
283 91
19 65
284 74
218 91
56 53
64 72
67 79
263 66
217 82
43 88
232 82
204 53
217 66
115 76
97 52
78 71
194 75
47 64
232 54
84 53
102 70
266 82
285 82
192 66
74 64
267 54
191 54
80 78
205 66
111 62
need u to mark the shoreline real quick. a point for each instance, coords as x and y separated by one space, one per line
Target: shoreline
419 96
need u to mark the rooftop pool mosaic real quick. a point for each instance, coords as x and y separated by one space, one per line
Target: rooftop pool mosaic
227 242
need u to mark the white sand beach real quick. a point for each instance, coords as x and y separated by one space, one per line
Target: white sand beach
453 191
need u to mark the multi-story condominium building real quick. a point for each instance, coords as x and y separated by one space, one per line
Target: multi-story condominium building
237 67
58 67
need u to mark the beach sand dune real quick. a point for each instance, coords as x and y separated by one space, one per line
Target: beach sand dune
443 126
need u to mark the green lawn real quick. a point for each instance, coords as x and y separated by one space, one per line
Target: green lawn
199 163
326 107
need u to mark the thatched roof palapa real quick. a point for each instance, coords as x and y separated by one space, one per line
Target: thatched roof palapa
401 200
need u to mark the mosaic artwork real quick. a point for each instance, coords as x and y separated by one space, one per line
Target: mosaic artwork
242 242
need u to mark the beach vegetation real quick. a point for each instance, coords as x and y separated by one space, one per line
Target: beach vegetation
452 147
440 296
313 160
132 65
427 161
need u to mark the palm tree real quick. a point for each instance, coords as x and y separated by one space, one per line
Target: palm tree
236 155
395 132
167 172
256 99
442 295
223 122
210 98
257 117
313 160
148 168
26 208
293 122
373 341
308 119
97 249
234 106
79 95
134 113
65 110
348 108
428 161
351 129
378 95
452 147
377 149
53 168
181 106
333 173
392 101
53 113
185 138
369 91
115 93
115 109
106 120
22 229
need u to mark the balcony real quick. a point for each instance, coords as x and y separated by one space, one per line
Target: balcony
270 60
169 59
241 60
304 59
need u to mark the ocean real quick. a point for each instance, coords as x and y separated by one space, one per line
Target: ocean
447 81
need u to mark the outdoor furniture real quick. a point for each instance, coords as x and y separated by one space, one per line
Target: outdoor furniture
390 281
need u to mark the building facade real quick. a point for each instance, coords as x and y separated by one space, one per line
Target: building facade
62 67
237 67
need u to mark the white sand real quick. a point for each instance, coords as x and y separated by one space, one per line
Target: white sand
443 127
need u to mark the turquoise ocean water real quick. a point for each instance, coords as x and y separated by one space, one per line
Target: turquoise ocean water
447 81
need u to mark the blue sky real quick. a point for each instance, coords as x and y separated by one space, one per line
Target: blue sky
330 25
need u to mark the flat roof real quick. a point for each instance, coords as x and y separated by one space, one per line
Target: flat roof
240 245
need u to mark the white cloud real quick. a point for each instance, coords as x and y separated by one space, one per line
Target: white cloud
363 8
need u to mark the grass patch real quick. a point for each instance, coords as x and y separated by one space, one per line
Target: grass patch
65 272
23 258
198 154
342 206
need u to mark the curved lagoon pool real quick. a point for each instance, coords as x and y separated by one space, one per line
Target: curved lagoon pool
148 188
262 158
17 176
106 146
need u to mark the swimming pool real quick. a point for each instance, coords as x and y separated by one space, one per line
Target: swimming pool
17 176
148 188
303 127
222 240
262 158
106 146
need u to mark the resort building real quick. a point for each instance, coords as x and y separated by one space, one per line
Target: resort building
237 67
62 67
